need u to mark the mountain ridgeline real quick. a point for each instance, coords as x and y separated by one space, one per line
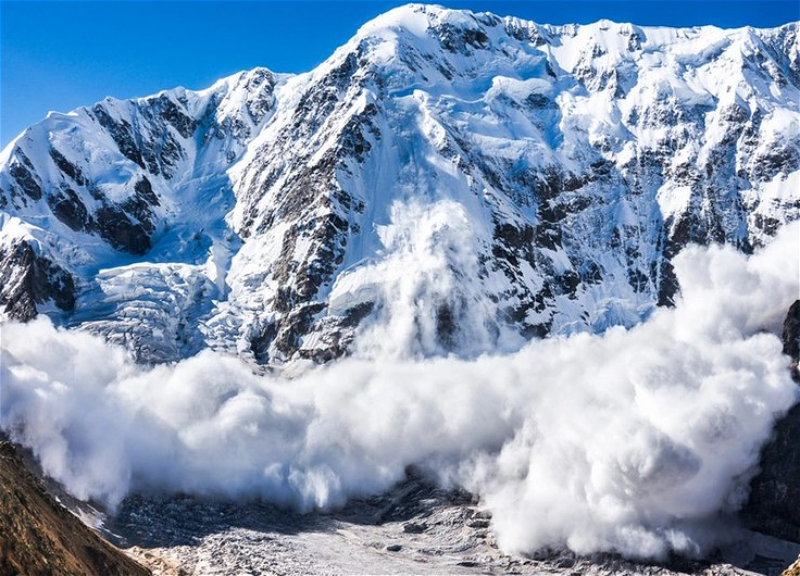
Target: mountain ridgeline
467 180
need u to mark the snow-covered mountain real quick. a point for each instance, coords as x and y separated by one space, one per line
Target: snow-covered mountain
444 182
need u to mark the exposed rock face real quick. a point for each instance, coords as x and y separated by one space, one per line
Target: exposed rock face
791 338
774 504
261 216
28 279
39 537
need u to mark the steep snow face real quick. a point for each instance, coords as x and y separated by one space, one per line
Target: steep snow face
444 182
114 215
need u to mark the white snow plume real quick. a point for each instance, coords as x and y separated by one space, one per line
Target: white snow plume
429 299
631 441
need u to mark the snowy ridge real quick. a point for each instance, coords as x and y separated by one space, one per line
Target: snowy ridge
446 182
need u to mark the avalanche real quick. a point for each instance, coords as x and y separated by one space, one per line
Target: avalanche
635 441
545 263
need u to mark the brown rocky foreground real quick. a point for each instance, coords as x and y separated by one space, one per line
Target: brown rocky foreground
39 537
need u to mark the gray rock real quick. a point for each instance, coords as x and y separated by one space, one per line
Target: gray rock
791 338
774 504
28 279
414 528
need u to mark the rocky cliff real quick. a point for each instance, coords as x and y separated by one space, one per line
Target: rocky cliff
39 537
774 505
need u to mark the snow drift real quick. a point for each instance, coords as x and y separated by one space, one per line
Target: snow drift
631 441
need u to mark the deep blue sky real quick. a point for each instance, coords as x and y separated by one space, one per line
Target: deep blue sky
60 55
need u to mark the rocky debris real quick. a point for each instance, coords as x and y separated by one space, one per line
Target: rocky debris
380 534
40 537
774 503
414 528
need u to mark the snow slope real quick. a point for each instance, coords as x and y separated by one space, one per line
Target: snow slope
446 182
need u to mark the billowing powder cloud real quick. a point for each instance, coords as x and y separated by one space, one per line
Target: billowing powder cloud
630 441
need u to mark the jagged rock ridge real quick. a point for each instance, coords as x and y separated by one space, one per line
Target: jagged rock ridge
496 179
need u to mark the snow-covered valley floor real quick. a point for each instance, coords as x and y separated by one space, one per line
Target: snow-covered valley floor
416 528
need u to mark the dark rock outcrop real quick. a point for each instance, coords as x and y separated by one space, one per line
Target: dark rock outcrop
28 279
791 338
774 504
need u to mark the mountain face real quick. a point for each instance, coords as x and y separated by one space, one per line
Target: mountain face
466 181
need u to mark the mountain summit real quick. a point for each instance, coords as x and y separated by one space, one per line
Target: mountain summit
446 182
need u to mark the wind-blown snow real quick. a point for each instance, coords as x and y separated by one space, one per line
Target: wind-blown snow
440 244
630 441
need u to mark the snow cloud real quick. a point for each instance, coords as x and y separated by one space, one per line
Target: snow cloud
632 441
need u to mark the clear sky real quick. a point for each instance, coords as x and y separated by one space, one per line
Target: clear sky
61 55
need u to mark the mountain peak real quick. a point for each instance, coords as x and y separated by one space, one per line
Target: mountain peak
415 18
422 23
584 156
